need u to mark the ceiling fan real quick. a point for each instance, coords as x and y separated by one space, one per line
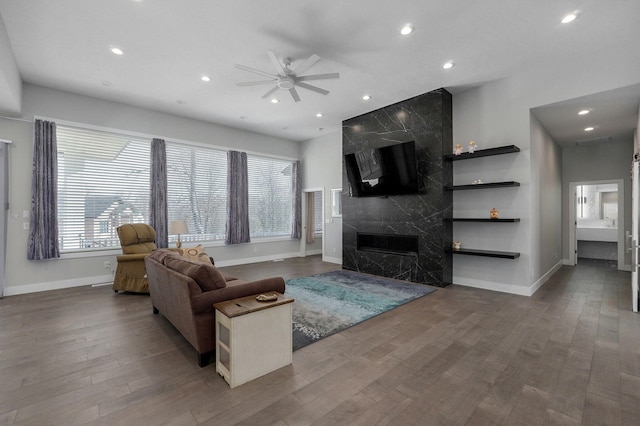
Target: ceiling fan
287 78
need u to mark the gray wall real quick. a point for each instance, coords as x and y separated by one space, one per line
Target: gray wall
76 269
593 163
498 113
321 161
546 171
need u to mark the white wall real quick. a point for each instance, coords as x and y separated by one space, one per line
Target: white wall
26 276
321 160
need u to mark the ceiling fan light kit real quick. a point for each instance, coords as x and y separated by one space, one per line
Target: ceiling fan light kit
287 78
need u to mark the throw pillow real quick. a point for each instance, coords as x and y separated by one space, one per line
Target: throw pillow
205 275
161 254
195 254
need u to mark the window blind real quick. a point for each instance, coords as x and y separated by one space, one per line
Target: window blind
197 190
103 182
270 196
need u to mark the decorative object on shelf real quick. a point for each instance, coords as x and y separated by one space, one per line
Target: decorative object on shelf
458 149
267 297
494 213
178 227
477 182
472 147
457 245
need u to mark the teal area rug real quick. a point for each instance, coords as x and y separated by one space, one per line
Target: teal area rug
328 303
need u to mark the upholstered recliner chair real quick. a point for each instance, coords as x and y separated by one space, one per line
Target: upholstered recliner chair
137 241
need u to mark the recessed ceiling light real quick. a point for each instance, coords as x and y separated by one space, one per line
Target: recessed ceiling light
106 83
588 129
448 65
243 117
181 102
205 78
366 97
569 18
319 115
275 101
583 112
116 51
407 29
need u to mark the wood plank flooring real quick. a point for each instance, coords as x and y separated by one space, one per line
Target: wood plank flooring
568 355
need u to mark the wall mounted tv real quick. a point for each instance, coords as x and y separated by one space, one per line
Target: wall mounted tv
384 171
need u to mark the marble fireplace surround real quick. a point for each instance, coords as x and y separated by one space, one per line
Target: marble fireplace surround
418 253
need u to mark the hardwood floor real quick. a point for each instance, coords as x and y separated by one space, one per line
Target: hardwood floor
568 355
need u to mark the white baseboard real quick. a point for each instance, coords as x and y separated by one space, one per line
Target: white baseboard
543 279
108 279
492 285
56 285
337 260
508 288
247 260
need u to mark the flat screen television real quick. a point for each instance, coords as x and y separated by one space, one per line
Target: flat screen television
384 171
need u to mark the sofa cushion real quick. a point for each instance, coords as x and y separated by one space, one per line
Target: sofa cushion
205 275
196 254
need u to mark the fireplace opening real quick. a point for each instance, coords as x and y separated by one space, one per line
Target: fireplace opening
387 243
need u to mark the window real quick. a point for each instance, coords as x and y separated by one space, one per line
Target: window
197 190
270 196
103 182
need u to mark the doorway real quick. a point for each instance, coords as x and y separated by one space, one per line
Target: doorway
4 204
596 222
312 241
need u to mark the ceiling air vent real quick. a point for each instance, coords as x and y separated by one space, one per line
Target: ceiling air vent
594 141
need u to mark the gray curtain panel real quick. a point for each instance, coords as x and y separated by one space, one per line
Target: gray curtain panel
43 226
237 231
296 220
158 210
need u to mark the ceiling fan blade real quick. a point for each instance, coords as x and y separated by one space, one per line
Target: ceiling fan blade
266 95
313 88
319 76
300 69
276 63
294 94
256 83
245 68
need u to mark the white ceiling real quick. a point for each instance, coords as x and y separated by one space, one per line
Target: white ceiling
169 45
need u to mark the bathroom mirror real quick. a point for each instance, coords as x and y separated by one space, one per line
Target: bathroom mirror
336 202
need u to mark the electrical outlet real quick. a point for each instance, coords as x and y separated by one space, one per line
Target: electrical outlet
25 226
107 265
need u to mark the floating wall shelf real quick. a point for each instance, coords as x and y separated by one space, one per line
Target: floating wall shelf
483 153
478 219
483 186
487 253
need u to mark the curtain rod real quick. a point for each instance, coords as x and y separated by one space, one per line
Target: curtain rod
17 119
